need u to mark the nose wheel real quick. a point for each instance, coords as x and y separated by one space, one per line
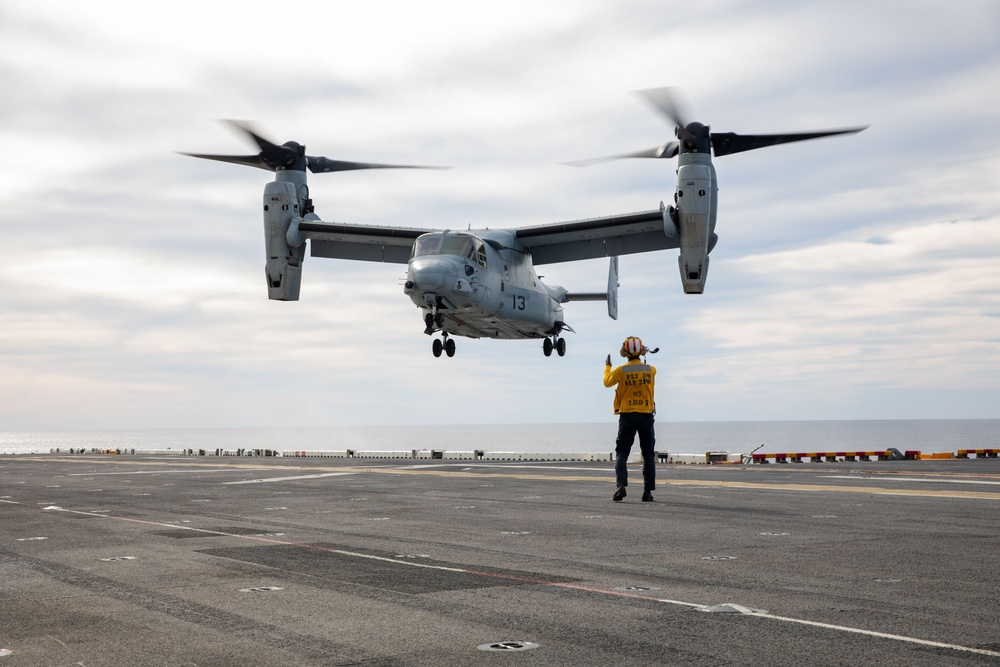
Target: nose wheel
554 343
443 344
434 320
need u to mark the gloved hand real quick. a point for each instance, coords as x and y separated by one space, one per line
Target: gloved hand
607 361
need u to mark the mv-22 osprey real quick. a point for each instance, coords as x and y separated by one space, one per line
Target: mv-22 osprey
482 283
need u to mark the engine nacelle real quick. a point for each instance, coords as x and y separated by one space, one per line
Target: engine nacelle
284 262
695 198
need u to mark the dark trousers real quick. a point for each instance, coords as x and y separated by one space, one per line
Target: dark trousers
629 424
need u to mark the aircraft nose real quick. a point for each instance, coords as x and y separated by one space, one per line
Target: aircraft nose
428 274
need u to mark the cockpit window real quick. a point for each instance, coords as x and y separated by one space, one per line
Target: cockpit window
445 244
457 245
429 244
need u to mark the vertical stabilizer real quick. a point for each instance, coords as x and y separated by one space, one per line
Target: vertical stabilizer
613 289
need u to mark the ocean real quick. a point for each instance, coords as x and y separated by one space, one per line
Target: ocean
685 437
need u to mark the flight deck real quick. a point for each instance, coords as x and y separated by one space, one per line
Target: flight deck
146 560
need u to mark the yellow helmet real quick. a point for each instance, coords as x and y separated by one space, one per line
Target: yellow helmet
633 347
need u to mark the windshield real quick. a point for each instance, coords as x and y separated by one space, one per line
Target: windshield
428 244
441 244
457 245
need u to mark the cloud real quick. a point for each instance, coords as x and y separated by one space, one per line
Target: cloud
910 312
853 278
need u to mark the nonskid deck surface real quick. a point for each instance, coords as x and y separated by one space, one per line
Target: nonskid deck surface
115 560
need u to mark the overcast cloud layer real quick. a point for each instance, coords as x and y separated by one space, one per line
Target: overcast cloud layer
855 277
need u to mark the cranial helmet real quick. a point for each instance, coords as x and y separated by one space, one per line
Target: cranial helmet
632 347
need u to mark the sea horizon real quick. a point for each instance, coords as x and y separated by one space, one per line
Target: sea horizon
676 436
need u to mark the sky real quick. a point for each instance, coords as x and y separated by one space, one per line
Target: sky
855 277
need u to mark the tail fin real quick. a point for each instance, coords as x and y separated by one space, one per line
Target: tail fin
613 289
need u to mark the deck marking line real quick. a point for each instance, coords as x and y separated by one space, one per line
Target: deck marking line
159 472
880 635
288 479
928 480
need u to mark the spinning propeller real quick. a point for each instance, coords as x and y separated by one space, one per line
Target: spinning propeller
292 156
694 137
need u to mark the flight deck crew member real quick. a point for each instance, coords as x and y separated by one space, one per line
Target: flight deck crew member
635 408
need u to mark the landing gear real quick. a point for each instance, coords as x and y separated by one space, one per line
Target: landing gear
557 344
443 344
434 320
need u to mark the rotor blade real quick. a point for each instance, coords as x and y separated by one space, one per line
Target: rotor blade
322 165
272 156
245 128
667 150
727 143
665 100
247 160
291 155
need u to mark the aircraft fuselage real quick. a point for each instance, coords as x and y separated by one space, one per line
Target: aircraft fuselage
480 284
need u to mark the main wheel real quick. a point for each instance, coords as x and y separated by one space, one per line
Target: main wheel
449 347
437 347
547 347
561 347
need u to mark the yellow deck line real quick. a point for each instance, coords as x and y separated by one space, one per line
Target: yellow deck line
257 466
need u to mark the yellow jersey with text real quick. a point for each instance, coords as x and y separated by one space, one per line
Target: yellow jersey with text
634 391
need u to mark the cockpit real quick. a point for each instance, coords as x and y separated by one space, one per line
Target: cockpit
462 245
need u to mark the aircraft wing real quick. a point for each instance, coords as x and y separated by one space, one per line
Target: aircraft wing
558 242
369 243
596 237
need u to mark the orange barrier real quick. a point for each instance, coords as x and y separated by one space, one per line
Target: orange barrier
833 457
980 453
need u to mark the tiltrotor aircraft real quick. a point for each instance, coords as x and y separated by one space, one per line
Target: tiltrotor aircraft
482 283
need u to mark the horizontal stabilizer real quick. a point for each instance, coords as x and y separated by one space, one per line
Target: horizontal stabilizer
585 296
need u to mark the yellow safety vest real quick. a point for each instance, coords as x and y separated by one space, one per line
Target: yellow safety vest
635 381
